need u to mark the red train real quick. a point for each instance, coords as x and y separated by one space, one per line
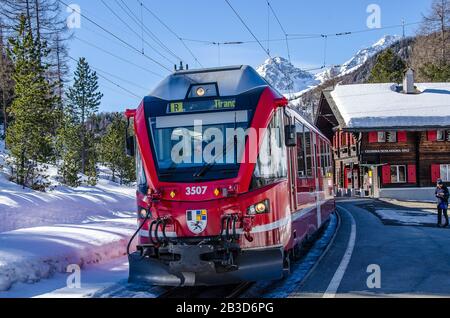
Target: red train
231 181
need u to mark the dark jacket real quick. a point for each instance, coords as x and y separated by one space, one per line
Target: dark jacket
442 199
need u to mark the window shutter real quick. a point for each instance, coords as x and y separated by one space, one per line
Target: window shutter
345 178
373 137
401 136
435 172
386 174
432 135
412 175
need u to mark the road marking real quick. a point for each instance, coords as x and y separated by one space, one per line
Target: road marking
339 274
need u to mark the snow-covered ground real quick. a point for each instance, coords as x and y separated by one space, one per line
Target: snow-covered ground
41 233
30 255
407 217
22 208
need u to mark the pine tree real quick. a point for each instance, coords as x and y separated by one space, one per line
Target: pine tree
29 136
6 82
113 151
436 72
83 99
69 149
388 68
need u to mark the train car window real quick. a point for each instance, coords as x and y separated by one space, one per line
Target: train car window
308 152
301 162
272 158
140 174
323 156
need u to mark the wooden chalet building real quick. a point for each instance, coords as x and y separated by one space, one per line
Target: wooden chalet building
389 140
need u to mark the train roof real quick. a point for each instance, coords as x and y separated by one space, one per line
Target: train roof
231 81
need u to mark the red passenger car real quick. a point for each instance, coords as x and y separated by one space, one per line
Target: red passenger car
231 181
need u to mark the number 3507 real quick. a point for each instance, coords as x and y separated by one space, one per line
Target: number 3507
196 190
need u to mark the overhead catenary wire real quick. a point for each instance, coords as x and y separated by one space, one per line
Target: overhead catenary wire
291 84
171 31
125 8
130 46
254 36
118 57
117 91
247 27
110 81
302 36
344 33
135 32
119 78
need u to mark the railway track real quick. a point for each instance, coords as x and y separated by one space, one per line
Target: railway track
227 291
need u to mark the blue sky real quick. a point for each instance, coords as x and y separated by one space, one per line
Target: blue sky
213 20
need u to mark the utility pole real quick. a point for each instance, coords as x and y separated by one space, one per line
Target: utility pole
403 28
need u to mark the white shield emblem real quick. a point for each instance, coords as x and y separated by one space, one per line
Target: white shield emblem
197 220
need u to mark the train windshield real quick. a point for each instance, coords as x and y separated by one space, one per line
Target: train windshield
201 146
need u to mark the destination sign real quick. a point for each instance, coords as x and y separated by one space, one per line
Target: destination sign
199 106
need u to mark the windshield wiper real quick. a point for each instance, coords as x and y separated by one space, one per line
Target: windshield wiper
204 169
209 165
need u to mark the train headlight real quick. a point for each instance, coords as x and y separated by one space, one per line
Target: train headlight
143 213
200 92
259 208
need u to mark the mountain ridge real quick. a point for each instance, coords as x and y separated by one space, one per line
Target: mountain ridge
294 81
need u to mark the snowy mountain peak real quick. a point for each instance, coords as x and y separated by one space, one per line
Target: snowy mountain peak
284 76
359 58
386 41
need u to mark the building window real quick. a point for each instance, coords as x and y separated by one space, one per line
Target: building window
381 136
398 174
391 136
443 135
445 173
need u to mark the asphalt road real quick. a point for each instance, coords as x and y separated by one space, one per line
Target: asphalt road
410 260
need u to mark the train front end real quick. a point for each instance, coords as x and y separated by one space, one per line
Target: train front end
212 197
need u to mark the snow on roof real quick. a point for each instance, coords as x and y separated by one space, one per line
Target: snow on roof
382 106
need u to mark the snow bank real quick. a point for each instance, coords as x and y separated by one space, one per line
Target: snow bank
23 208
407 217
29 255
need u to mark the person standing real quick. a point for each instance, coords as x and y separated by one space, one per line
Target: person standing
442 194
